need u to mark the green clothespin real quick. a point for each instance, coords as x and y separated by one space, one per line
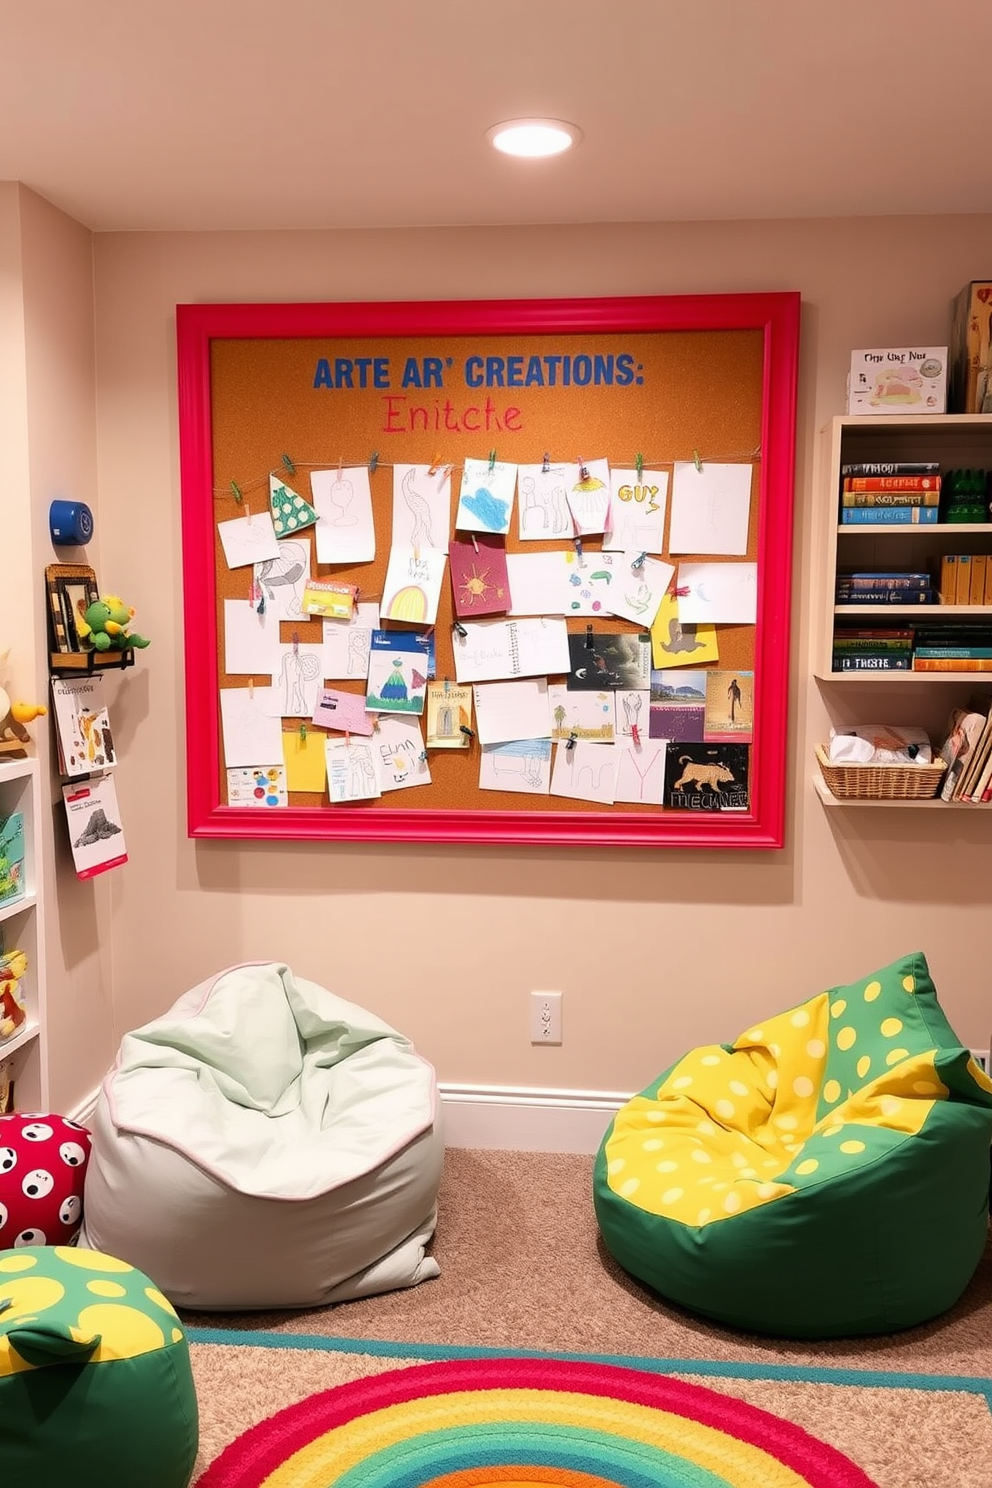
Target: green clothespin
290 467
239 498
697 461
303 734
492 461
639 467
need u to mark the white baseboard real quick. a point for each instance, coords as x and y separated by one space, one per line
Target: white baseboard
504 1117
515 1119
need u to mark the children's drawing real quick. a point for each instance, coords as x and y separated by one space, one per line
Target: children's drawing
248 539
589 496
257 787
585 772
588 579
729 706
346 643
282 580
479 581
486 497
251 728
290 512
677 706
720 593
585 715
351 771
674 644
602 660
421 506
707 777
345 525
641 773
639 586
632 712
543 509
519 765
710 508
413 584
400 756
298 680
397 677
449 707
636 518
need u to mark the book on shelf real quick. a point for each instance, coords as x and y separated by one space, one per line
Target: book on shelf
859 597
896 516
948 580
891 484
962 589
862 662
888 498
974 653
963 729
882 578
980 705
892 467
868 647
976 589
951 664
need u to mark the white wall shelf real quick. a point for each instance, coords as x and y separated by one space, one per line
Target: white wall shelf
829 799
21 927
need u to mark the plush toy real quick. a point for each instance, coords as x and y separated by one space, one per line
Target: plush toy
13 717
13 965
104 625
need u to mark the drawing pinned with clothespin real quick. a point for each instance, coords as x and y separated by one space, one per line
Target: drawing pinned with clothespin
570 742
546 466
639 467
697 460
589 640
463 728
492 461
290 467
639 560
373 461
460 629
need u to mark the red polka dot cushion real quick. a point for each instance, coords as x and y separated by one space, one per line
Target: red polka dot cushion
826 1174
42 1167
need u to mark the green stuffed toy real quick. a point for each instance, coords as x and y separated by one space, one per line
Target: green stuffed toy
104 625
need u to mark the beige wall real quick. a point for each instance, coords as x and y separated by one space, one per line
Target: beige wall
653 951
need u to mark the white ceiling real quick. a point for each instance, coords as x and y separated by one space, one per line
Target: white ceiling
231 114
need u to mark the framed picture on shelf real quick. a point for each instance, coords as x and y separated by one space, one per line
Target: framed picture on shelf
71 588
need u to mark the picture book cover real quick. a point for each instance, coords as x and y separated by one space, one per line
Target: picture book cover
707 777
399 666
82 725
11 857
96 834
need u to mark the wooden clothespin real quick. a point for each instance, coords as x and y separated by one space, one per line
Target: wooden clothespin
432 467
475 541
251 689
373 461
697 460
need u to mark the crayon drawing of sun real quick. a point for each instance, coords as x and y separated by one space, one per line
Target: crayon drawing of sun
476 587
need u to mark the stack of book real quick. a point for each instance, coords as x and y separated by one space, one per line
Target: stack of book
953 646
887 494
965 579
967 752
879 650
900 587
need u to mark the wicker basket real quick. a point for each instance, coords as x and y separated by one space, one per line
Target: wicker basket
880 782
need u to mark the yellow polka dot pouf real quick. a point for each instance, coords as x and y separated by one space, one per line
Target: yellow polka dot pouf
825 1175
96 1389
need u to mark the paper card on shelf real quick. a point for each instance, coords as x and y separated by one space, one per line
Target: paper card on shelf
588 580
248 539
401 759
399 663
297 680
346 643
351 770
449 706
729 706
520 765
535 583
486 497
711 508
344 711
479 580
638 586
289 511
718 593
674 644
589 497
633 712
590 716
542 500
257 787
491 649
636 518
82 725
280 581
251 640
678 705
251 728
512 710
327 599
303 753
421 506
345 529
413 584
601 660
641 773
96 833
585 772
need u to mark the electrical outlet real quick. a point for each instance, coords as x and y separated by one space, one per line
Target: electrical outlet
545 1017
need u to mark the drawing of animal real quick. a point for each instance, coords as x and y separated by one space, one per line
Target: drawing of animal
696 775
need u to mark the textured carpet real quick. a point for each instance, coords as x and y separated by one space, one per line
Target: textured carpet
527 1423
522 1269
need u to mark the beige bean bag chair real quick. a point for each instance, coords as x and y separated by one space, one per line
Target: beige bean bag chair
266 1144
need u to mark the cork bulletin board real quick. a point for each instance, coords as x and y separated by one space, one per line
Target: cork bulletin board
646 382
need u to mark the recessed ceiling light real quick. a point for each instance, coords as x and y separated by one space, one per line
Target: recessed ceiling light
533 138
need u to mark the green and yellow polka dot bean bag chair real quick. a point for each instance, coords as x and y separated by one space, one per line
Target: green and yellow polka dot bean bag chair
825 1175
96 1389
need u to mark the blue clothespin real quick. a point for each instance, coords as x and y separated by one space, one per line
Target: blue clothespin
578 550
570 742
639 561
373 461
423 756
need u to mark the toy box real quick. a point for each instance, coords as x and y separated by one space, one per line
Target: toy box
11 857
891 379
970 351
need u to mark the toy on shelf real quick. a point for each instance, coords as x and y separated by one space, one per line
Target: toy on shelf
104 625
13 1012
13 717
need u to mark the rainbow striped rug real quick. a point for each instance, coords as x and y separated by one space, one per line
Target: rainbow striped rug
526 1423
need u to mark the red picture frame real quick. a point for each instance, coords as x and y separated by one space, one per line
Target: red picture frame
775 315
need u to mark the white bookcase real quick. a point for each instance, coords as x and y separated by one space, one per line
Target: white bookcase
957 441
22 928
